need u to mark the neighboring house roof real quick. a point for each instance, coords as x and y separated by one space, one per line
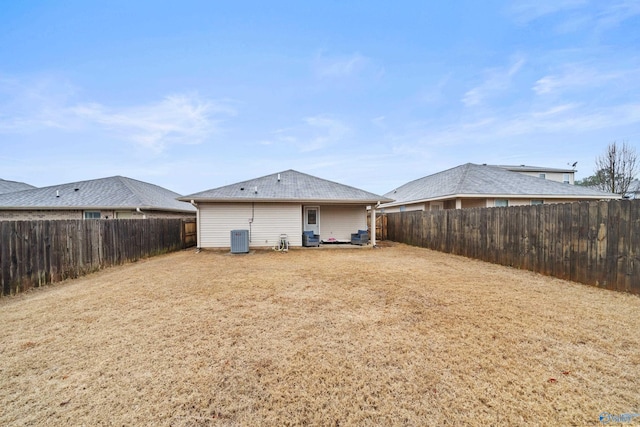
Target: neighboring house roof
525 168
116 192
471 180
11 186
634 189
286 186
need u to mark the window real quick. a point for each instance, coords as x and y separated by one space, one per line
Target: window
537 202
565 178
312 216
91 214
542 175
436 206
501 203
403 208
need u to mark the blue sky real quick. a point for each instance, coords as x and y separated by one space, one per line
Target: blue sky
192 95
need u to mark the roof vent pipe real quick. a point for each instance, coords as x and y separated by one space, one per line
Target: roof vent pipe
255 190
57 193
278 177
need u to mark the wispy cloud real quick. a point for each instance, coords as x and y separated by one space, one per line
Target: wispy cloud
326 66
571 76
576 15
338 66
525 11
49 104
496 81
326 131
616 13
27 105
567 118
177 119
315 133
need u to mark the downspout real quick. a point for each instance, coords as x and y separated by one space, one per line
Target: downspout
253 214
140 212
195 205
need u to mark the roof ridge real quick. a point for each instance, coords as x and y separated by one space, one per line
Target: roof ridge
134 192
463 177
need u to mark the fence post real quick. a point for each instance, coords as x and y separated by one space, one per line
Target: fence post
596 243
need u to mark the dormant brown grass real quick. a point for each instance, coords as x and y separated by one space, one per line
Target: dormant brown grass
390 336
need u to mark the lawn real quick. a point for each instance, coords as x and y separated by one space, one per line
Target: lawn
390 336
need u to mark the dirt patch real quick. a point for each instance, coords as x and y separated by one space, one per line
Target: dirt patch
389 336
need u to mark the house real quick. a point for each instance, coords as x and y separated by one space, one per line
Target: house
634 190
11 186
566 176
106 198
284 203
472 186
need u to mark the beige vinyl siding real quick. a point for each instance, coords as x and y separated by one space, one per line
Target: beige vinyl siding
340 221
273 219
269 221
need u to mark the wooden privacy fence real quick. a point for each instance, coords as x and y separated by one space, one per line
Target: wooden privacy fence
381 226
33 253
596 243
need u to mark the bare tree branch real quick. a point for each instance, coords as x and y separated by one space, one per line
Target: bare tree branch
616 168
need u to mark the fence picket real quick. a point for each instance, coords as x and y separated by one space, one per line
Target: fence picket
596 243
33 253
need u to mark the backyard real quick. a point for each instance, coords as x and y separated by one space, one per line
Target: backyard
396 335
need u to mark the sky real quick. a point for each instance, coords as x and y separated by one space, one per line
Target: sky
193 95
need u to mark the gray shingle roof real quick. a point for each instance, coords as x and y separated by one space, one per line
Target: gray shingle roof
292 186
115 192
11 186
482 180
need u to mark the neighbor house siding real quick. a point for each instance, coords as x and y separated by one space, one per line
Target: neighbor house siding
269 220
406 208
551 176
527 202
481 203
474 203
339 222
36 215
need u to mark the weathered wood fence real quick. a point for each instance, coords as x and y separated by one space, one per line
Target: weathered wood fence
596 243
33 253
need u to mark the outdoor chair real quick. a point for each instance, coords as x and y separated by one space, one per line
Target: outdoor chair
310 239
360 238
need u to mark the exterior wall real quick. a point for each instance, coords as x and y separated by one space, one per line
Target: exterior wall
551 176
474 203
35 215
162 214
527 202
11 215
339 222
406 208
481 203
269 220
